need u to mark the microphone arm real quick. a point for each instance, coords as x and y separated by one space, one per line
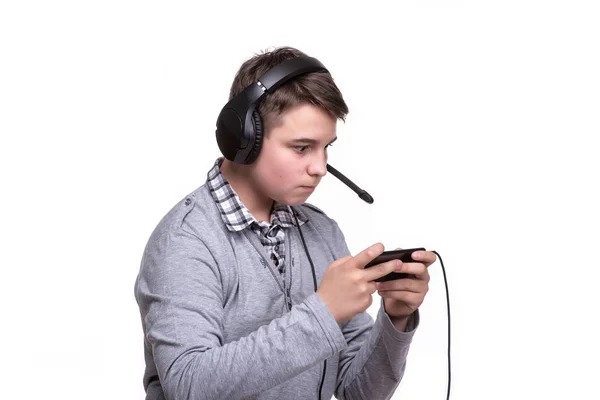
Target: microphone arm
361 193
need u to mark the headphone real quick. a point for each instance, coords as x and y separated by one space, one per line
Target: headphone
239 125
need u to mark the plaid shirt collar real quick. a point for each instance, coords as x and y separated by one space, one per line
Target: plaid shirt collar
234 213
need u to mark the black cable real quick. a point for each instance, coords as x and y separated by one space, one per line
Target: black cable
312 267
448 311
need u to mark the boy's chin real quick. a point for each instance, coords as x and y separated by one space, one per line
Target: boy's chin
293 200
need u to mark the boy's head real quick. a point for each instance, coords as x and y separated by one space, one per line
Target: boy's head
299 122
316 88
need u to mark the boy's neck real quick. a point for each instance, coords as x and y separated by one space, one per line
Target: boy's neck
259 206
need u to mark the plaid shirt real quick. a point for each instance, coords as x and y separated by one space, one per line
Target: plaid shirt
237 217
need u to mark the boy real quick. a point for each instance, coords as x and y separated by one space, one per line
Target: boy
246 291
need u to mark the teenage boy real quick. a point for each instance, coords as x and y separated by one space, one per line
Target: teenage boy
248 292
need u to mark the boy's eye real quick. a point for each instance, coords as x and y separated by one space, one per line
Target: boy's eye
302 149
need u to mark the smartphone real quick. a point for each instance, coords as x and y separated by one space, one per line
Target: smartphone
404 255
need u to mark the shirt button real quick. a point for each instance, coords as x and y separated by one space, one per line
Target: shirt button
188 202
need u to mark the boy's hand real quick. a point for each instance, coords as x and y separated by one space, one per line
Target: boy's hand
347 287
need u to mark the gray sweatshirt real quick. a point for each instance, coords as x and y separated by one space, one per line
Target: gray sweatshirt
219 322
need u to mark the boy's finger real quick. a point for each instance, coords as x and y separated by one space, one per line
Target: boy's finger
380 270
367 255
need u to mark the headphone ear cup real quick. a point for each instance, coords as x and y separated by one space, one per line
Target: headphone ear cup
258 137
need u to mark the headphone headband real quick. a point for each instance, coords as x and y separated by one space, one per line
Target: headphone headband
289 69
239 127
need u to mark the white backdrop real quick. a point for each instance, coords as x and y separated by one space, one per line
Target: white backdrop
471 123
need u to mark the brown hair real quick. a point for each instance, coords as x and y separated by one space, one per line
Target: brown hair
317 88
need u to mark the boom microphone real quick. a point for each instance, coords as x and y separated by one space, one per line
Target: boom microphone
361 193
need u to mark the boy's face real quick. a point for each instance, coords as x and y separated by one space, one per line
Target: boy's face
293 157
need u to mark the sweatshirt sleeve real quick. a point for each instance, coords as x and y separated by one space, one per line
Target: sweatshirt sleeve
179 294
373 363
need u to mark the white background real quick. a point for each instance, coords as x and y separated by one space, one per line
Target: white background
472 124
